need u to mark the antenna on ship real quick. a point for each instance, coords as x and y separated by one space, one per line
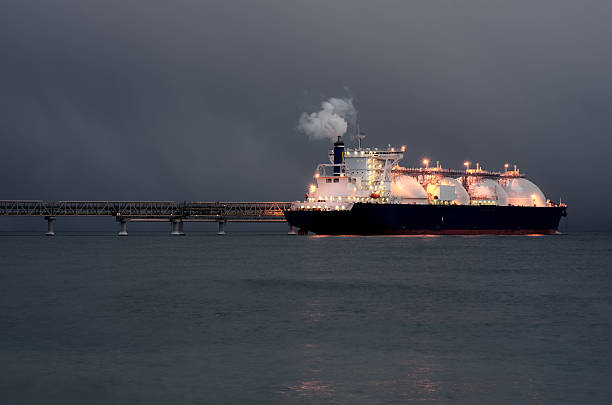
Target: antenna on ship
360 137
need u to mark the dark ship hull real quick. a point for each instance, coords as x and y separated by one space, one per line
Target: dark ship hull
407 219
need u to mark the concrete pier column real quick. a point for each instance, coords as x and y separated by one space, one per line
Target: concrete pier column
177 227
221 227
291 230
50 230
123 231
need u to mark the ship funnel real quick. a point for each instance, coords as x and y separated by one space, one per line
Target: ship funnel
338 156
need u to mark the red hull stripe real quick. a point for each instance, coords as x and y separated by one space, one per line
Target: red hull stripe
471 232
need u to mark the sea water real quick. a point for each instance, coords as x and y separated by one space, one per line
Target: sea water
261 318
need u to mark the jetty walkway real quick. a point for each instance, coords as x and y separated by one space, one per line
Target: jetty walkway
176 213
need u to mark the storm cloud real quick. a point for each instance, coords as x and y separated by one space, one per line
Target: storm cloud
188 100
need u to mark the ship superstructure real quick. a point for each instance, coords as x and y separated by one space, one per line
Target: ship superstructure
364 177
353 175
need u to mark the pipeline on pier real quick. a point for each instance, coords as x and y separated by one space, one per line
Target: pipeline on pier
150 211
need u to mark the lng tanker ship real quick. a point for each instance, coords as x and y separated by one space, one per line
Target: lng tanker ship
365 191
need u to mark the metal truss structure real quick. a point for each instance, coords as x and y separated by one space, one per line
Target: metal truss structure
150 210
455 173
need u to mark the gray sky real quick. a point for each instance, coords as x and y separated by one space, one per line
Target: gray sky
199 100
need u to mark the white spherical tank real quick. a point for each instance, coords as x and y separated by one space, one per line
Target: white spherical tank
408 189
487 189
523 192
461 196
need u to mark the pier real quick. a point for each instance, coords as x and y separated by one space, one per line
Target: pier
175 213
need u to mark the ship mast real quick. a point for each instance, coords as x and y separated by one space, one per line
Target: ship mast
360 136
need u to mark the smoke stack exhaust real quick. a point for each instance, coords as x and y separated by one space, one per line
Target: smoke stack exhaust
338 155
331 121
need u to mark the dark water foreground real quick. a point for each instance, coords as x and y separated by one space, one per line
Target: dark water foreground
269 318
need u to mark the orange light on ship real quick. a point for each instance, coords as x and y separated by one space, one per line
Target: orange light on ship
506 167
403 148
426 163
317 175
312 188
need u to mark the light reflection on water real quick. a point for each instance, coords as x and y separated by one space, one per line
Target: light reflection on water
310 385
321 376
417 384
310 361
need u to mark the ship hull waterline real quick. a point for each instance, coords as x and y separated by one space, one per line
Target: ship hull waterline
408 219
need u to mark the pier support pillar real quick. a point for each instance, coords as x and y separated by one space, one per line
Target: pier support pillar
177 227
50 230
123 231
221 227
291 230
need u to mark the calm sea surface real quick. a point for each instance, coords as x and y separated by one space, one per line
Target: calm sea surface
270 318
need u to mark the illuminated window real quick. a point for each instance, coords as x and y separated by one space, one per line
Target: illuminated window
328 180
336 180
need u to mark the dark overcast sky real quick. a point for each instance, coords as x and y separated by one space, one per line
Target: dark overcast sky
199 100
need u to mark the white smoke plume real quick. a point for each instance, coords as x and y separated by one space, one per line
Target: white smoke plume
331 121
